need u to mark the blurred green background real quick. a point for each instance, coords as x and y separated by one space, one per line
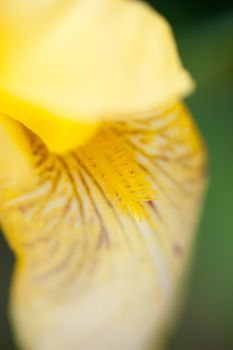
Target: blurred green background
204 31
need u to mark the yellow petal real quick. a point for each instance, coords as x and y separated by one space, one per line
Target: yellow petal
91 275
15 152
59 135
65 64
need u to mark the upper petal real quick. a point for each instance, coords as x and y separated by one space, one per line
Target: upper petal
15 154
74 63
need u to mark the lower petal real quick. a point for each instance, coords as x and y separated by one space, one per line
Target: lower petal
104 237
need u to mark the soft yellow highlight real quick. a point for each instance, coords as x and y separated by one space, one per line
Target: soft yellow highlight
65 64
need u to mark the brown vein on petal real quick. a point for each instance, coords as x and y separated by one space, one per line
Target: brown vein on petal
177 184
104 229
72 182
60 267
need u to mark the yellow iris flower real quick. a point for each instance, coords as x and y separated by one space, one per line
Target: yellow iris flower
101 172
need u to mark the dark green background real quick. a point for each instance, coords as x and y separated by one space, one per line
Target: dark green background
204 31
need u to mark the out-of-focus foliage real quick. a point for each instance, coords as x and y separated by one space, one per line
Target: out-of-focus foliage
205 35
204 31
